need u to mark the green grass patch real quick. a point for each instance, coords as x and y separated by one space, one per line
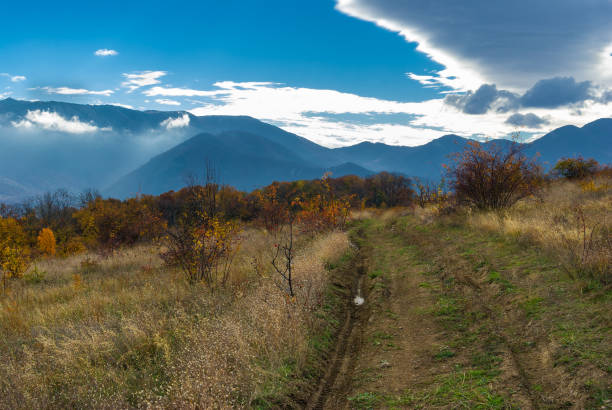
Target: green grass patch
532 307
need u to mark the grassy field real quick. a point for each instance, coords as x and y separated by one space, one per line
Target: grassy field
469 310
125 331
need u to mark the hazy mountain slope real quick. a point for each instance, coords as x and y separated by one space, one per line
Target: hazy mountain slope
594 140
243 160
103 116
304 148
424 160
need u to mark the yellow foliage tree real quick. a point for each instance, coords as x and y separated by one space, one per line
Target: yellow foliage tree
14 252
46 242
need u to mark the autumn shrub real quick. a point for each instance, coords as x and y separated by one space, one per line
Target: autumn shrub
323 212
112 223
493 176
74 246
575 168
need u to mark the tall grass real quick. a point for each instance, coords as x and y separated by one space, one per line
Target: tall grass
126 331
570 220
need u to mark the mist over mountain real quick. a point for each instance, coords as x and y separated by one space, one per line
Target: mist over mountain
50 145
243 160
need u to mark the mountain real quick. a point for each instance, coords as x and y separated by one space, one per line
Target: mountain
120 119
45 145
243 160
594 140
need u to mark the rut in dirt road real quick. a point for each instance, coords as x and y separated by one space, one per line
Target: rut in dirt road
337 379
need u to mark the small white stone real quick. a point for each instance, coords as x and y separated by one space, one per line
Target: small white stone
359 300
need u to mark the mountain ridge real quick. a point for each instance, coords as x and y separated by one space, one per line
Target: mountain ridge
100 165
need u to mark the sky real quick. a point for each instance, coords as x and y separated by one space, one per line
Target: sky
337 72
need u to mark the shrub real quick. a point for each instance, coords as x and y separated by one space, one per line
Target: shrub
112 223
493 176
576 168
587 247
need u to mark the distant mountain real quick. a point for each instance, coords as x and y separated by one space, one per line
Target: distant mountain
243 160
122 120
133 151
594 140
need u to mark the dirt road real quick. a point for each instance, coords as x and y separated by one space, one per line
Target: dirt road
449 322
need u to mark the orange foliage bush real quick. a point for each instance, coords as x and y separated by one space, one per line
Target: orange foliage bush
324 211
492 176
112 223
576 168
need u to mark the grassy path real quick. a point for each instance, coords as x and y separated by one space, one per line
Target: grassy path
461 319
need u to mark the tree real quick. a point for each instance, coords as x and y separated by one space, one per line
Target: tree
46 242
284 252
14 252
493 176
200 243
387 189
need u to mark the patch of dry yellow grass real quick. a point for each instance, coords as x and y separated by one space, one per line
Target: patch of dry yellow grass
128 331
571 220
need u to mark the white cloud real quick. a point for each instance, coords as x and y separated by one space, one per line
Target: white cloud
104 52
14 78
321 115
178 92
511 44
75 91
178 122
142 79
128 106
53 121
165 101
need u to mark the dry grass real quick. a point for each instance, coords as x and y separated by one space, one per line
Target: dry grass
125 331
572 221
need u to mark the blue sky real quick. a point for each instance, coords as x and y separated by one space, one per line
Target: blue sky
338 72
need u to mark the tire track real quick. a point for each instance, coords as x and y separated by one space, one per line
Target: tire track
336 383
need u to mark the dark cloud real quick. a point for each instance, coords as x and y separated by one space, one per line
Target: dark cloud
510 43
548 93
482 100
529 120
606 97
555 92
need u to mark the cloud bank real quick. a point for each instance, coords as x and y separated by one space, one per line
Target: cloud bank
511 44
334 118
75 91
